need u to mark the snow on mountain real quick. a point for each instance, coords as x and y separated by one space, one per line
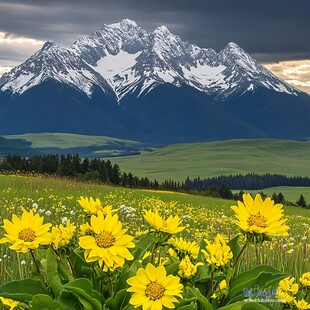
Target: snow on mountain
124 59
53 62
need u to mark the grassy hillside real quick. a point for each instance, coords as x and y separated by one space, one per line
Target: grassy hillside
86 146
221 158
13 147
291 193
56 199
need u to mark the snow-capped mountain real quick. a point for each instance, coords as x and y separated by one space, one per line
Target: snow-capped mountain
120 68
129 59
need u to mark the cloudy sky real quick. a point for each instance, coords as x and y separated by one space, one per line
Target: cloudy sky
274 32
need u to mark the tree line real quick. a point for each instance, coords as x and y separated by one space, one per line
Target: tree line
104 171
250 181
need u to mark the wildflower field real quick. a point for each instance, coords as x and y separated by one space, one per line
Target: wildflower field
72 245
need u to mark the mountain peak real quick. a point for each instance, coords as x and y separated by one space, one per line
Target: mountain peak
162 31
47 45
125 23
232 45
233 48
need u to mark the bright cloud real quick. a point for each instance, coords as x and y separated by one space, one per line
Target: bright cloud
7 38
14 50
295 72
4 70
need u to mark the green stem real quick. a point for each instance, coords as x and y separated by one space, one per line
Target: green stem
111 287
233 266
101 287
71 266
19 266
153 252
211 284
257 254
239 255
221 301
38 269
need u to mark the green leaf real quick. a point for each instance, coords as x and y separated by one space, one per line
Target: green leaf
185 301
129 307
261 276
44 302
142 245
118 301
245 306
203 274
78 263
204 302
22 290
191 306
53 278
69 301
64 272
86 304
172 268
234 246
126 274
83 287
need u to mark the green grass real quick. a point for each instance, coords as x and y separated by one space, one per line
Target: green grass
221 158
203 216
291 193
85 145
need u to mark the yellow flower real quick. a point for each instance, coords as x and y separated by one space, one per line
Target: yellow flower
190 248
260 217
305 279
169 226
153 289
85 229
223 285
301 304
62 235
108 244
26 233
217 254
287 289
187 269
93 206
9 302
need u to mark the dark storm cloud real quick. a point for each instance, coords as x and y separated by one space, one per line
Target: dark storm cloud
270 30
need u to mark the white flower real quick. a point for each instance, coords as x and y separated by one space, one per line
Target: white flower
23 262
72 212
48 212
64 220
35 205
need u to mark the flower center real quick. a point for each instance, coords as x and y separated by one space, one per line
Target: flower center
98 207
258 220
154 291
27 234
165 224
105 240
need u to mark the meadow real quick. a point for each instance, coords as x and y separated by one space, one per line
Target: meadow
203 217
220 158
84 145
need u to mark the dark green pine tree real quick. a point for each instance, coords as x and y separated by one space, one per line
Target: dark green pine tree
301 202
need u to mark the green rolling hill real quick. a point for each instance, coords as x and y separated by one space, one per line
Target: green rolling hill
221 158
84 145
14 147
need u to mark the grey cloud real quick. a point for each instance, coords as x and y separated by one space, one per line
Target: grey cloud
272 30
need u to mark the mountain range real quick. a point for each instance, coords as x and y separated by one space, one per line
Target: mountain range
122 81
